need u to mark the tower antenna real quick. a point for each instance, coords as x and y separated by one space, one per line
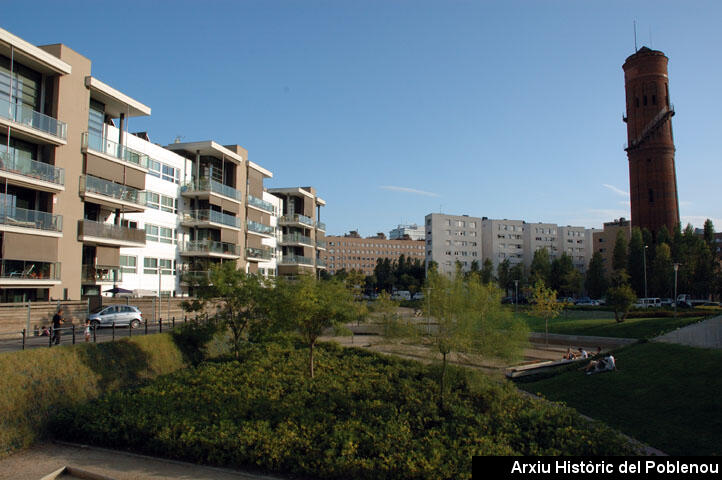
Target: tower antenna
635 35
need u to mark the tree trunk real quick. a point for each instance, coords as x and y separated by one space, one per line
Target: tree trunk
443 374
310 364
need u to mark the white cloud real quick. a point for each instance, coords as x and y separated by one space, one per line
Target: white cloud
616 190
394 188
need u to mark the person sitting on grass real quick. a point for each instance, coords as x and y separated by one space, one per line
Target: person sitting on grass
605 364
569 355
582 353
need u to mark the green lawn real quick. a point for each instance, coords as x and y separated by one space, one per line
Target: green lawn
668 396
603 324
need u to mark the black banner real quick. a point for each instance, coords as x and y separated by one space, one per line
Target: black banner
596 467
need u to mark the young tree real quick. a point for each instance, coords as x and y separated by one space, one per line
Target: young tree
560 268
619 256
540 267
487 272
596 280
620 295
545 305
503 275
311 306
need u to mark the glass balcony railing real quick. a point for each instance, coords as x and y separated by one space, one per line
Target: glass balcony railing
210 246
263 253
94 274
20 217
194 276
95 142
211 216
321 226
320 263
321 244
29 270
295 260
124 193
296 218
36 120
262 204
296 238
259 228
208 185
11 161
111 232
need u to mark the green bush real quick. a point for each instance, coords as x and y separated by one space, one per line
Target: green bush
365 416
36 383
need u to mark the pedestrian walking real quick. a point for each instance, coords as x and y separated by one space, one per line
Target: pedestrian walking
87 330
57 322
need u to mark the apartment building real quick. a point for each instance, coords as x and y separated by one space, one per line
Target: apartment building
504 240
302 234
604 240
408 232
352 252
452 238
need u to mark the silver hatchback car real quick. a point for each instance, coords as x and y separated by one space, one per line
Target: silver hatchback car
119 315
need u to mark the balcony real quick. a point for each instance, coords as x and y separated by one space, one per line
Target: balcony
29 173
195 218
255 227
91 274
321 244
261 204
206 186
99 233
258 254
110 194
296 219
94 143
12 218
31 125
296 239
321 226
320 263
296 260
29 273
210 248
192 277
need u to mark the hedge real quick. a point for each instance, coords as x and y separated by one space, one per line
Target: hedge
37 383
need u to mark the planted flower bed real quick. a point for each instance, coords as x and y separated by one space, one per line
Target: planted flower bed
363 416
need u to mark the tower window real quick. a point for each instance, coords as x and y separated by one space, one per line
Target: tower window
636 102
649 160
651 196
644 101
654 99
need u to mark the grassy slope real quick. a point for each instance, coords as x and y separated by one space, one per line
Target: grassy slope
602 324
668 396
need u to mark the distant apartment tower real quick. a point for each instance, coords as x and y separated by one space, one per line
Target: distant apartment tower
503 240
351 252
302 234
539 236
451 239
576 243
605 239
408 232
650 147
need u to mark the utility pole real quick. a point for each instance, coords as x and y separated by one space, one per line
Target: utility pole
676 268
645 270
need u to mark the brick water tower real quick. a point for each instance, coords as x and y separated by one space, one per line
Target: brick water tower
650 144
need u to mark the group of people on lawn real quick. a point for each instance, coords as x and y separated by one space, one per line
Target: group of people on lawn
601 364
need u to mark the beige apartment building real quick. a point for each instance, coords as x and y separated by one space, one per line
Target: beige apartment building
351 252
301 233
604 240
74 193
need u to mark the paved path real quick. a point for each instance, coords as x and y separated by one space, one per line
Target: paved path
45 458
705 334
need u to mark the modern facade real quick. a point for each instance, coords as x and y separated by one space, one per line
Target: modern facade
452 238
352 252
650 147
302 234
408 232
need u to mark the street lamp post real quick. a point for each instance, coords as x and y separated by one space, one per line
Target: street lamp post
676 267
645 270
516 294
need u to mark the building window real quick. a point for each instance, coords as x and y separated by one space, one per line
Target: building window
128 264
651 196
150 266
166 266
168 204
166 235
154 167
151 233
153 200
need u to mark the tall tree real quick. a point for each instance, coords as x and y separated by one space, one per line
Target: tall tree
487 271
560 269
620 295
619 256
540 267
636 261
662 272
596 279
545 305
503 275
709 236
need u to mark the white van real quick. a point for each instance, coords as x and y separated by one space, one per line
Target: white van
401 295
651 302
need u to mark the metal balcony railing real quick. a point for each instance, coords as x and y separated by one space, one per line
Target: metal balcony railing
260 228
208 185
210 246
95 142
20 217
111 232
209 215
11 161
33 119
90 184
262 204
295 260
263 253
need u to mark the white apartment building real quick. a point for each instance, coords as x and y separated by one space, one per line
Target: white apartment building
538 236
502 240
268 268
452 238
574 242
414 232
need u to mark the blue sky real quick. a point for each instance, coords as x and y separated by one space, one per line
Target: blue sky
396 109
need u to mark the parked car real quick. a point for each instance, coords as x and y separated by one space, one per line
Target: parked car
651 302
667 302
586 302
120 315
401 295
418 296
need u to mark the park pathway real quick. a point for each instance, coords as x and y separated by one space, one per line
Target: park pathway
705 334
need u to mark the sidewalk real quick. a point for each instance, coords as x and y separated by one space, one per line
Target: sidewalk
45 458
705 334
